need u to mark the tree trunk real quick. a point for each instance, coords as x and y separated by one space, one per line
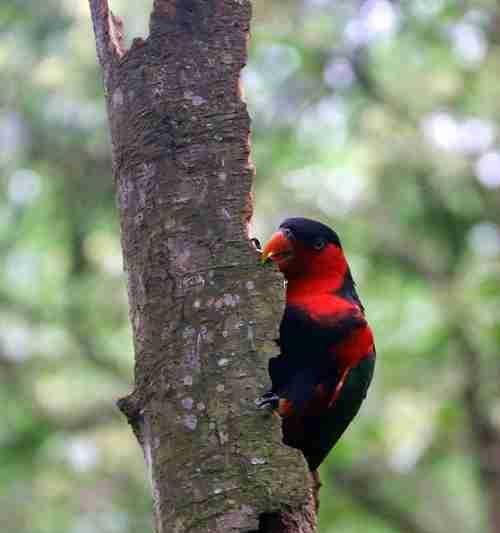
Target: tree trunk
204 314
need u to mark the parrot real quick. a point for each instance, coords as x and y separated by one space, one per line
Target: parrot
327 352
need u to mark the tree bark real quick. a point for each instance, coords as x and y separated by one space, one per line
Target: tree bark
204 314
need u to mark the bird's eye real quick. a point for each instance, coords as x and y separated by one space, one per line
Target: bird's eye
319 244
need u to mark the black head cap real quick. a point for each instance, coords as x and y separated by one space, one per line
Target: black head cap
309 231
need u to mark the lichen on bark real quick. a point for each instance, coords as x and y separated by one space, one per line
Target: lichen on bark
204 314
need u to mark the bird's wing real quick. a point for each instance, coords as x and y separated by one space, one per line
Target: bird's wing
317 434
355 347
308 357
292 382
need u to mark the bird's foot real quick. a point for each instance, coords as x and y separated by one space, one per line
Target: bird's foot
256 244
268 399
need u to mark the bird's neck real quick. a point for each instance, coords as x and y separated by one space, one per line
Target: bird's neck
313 275
300 288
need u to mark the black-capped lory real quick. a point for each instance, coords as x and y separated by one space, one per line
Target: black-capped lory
327 352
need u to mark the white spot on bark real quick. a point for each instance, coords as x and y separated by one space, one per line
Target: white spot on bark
149 459
169 223
217 491
188 381
142 197
223 438
195 280
187 403
223 361
251 338
193 360
188 332
250 285
182 258
197 303
222 176
225 334
149 169
192 349
229 300
200 406
225 213
125 192
220 388
199 339
190 421
258 461
198 100
117 98
195 99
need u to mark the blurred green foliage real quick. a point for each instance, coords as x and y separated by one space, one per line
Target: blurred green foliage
378 117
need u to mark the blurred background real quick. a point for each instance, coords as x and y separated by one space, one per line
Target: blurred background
378 117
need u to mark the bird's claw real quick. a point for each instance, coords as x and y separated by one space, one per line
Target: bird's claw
256 244
269 399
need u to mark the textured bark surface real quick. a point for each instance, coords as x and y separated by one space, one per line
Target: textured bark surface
204 314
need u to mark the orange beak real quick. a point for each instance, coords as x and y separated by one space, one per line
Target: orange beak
278 248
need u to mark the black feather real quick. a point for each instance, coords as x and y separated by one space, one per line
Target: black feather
348 291
308 231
